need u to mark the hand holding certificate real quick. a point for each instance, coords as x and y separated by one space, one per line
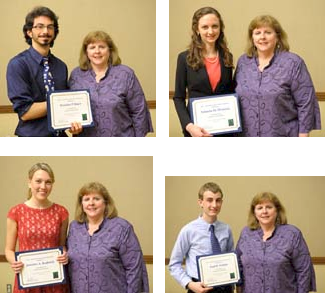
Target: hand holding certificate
41 268
218 269
216 114
65 107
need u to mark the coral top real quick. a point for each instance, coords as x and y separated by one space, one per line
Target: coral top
38 229
213 68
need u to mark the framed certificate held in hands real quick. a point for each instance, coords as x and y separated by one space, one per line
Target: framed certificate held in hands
218 269
216 114
41 268
65 107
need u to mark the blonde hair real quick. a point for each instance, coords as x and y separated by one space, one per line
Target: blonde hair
281 219
270 21
95 187
39 166
93 37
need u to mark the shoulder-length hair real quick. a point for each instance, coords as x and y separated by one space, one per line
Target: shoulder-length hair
93 37
269 21
281 218
36 12
39 166
98 188
195 55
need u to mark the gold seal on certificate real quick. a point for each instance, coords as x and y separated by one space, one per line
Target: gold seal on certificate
218 269
40 268
216 114
64 107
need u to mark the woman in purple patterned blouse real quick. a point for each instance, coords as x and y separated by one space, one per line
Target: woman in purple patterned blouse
273 256
276 92
104 253
117 100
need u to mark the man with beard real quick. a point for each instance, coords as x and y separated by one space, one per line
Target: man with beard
25 75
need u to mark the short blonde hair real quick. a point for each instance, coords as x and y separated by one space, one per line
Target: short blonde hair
39 166
281 219
95 187
270 21
93 37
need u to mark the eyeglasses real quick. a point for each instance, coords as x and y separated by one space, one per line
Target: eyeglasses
41 27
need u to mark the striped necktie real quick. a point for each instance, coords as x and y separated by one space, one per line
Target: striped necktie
47 76
214 241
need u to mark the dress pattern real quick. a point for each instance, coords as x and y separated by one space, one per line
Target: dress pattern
38 229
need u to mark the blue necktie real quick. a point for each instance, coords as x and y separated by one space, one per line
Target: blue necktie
47 76
214 241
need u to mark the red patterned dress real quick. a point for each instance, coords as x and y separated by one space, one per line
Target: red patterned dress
38 229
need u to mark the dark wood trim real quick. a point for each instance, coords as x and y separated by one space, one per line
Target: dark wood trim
148 259
316 261
151 104
320 96
7 109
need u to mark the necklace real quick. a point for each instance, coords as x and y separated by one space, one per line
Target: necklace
212 60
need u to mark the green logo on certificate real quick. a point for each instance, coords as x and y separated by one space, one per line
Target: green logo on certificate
230 122
84 117
55 275
232 275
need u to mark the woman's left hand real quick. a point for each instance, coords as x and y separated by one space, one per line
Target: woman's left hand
75 128
63 258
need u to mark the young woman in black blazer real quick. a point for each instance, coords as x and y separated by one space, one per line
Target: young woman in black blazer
205 69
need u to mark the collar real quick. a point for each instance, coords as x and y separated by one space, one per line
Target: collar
37 56
100 225
206 224
261 233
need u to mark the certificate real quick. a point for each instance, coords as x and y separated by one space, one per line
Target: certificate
218 269
216 114
64 107
40 268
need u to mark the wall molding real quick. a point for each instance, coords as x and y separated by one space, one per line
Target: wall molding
7 109
148 259
316 260
320 96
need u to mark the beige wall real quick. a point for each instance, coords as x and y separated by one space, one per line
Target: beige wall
131 24
128 179
304 22
303 198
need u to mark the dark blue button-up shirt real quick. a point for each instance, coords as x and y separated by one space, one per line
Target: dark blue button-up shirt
26 86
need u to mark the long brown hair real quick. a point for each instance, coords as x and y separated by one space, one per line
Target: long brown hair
195 55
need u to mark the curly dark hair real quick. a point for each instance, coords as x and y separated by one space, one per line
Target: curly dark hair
36 12
195 55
